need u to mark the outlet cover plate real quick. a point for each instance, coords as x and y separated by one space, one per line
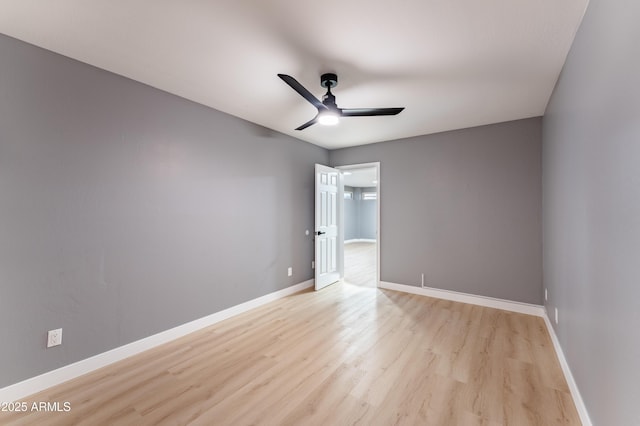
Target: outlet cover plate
54 337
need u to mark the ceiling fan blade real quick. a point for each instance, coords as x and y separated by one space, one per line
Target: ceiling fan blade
308 123
367 112
301 90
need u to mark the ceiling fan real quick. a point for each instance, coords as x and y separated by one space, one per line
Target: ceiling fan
328 111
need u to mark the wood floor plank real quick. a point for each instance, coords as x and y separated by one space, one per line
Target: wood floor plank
345 355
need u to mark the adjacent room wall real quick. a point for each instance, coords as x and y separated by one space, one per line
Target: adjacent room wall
351 215
367 225
360 215
462 207
591 162
125 211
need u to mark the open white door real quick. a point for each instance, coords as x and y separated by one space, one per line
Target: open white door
328 202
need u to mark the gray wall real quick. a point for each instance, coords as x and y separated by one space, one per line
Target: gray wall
125 211
462 207
360 215
591 162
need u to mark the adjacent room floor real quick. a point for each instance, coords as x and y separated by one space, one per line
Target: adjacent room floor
360 264
343 355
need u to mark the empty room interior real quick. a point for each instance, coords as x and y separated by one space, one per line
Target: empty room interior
327 213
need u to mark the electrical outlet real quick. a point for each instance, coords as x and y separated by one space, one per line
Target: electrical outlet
54 337
556 315
546 295
313 264
290 271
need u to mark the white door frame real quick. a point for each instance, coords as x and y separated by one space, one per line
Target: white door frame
341 219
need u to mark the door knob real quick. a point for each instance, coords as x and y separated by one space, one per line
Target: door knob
320 233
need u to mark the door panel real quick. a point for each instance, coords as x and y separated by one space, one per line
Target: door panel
326 238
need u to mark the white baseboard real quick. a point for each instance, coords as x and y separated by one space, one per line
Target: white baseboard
46 380
489 302
573 387
359 240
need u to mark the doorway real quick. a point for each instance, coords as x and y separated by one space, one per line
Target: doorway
361 225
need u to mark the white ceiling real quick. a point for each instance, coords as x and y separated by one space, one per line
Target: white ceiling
451 63
360 178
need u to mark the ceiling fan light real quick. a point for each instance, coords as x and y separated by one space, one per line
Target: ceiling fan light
328 118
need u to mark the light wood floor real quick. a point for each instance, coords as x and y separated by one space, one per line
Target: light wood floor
360 264
341 356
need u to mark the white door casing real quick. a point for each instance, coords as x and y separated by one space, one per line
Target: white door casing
328 202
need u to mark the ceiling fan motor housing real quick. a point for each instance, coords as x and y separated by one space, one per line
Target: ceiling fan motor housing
329 80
